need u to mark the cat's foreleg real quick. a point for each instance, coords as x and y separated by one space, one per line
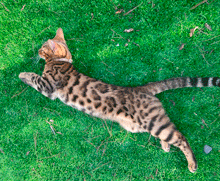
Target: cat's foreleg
41 84
165 146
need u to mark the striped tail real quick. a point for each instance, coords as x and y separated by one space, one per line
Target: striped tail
175 83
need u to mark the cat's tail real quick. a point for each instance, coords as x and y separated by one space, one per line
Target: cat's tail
175 83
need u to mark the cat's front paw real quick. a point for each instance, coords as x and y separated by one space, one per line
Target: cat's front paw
26 77
23 76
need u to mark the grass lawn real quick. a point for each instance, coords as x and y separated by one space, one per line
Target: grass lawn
88 148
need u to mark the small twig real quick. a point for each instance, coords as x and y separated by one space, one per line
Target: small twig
132 9
44 30
6 9
205 1
19 93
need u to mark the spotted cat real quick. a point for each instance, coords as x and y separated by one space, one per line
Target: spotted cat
136 109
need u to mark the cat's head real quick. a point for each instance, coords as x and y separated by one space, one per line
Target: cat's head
55 48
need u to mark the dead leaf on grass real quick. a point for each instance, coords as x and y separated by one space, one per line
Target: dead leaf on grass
208 26
119 11
192 31
181 46
128 30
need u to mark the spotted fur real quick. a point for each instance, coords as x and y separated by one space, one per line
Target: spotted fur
136 109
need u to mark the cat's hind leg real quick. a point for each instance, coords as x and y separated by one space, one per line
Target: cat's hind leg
174 137
41 84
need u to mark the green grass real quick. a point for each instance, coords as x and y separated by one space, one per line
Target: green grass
90 148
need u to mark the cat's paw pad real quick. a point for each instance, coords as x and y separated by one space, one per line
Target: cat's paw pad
192 167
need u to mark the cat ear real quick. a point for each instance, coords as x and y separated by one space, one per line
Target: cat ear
52 45
59 35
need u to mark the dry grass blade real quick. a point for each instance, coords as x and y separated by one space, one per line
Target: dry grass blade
203 121
215 42
208 26
23 7
201 51
27 153
212 38
181 46
19 93
6 9
44 30
99 166
52 129
110 133
133 9
90 143
2 151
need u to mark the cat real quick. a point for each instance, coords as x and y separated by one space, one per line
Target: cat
136 109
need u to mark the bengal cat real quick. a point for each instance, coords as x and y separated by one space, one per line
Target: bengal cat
136 109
